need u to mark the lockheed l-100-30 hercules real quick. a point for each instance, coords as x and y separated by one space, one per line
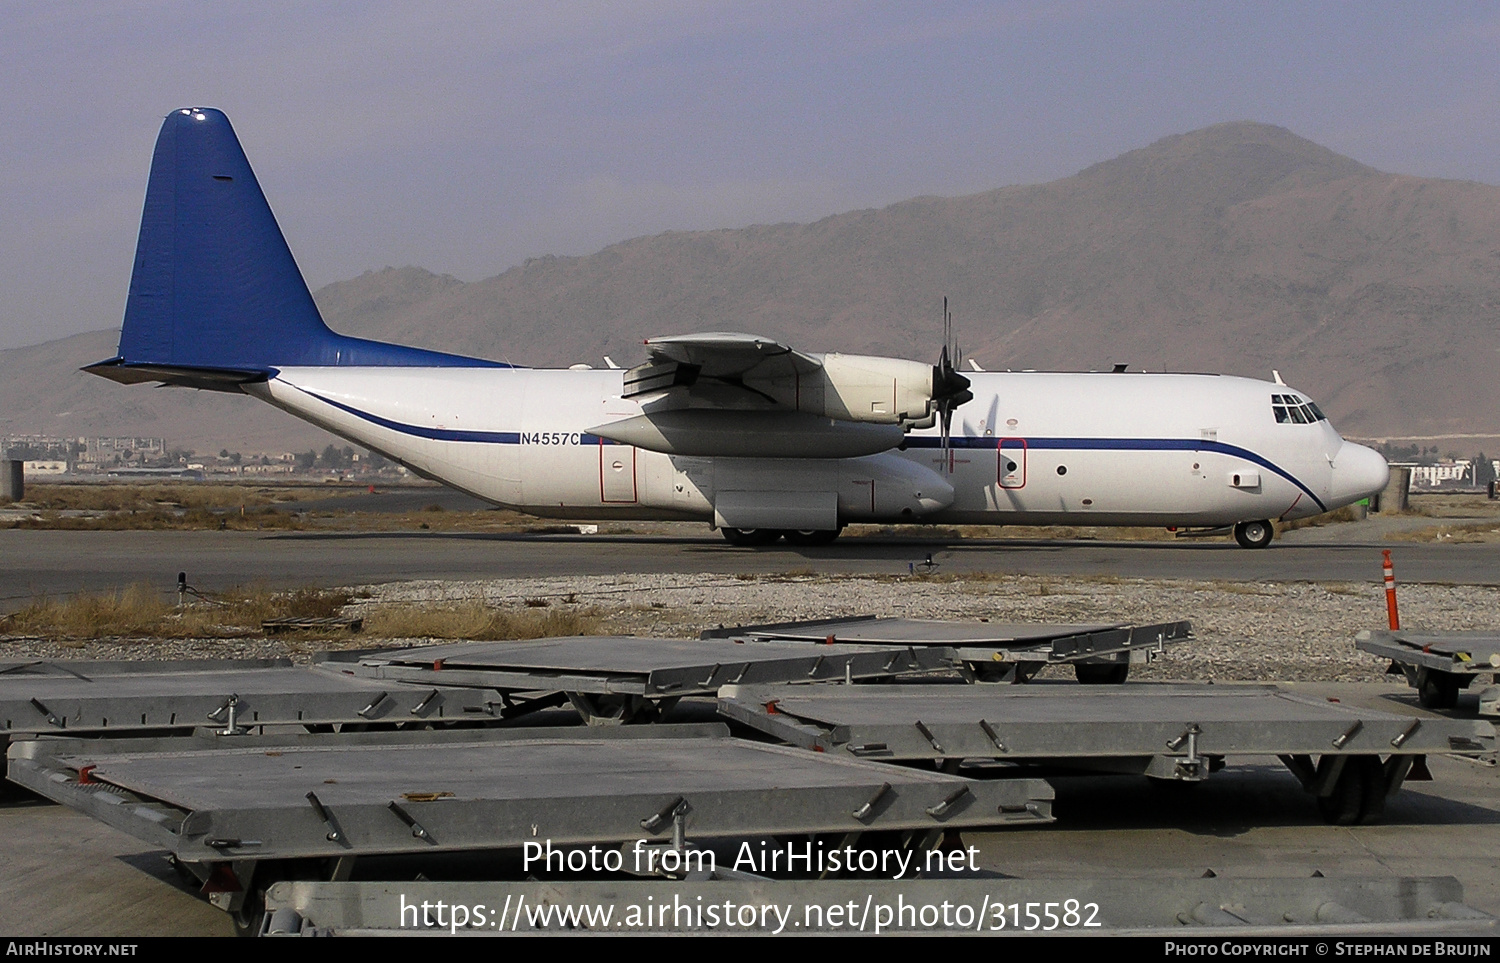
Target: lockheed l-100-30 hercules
758 439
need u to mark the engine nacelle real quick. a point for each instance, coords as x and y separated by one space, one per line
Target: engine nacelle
851 387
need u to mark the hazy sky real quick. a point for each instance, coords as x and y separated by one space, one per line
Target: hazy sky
466 137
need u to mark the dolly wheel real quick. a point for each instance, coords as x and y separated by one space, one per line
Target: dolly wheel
1101 673
1436 689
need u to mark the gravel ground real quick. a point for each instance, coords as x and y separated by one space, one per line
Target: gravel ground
1269 631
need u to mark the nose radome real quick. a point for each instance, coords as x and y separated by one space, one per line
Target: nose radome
1358 472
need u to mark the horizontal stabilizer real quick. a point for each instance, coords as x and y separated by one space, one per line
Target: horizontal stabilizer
209 379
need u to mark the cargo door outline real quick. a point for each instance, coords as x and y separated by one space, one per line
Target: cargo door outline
617 474
1011 451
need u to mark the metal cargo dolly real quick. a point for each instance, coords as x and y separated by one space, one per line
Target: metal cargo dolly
109 698
1162 908
613 679
1438 664
240 812
1351 759
991 651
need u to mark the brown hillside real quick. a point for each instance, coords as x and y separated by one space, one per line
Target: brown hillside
1237 248
43 392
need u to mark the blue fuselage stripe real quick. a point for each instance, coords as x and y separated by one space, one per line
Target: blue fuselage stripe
449 434
918 441
1121 444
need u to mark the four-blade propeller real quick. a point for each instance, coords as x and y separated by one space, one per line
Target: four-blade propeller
950 389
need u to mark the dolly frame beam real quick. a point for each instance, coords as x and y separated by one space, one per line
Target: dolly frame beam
1350 759
1172 908
113 698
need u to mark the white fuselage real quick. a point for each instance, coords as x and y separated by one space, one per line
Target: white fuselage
1030 448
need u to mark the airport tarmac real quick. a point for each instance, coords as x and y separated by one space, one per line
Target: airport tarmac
66 874
34 562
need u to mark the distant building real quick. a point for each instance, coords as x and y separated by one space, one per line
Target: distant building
45 467
178 472
1447 471
106 450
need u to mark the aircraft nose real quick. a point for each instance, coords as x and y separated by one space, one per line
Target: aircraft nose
1358 472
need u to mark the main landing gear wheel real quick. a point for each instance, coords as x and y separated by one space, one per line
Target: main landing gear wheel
1254 534
749 536
818 536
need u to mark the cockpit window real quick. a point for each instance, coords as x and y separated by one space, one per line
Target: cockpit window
1292 410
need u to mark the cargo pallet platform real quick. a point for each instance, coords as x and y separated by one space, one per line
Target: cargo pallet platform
258 775
990 651
1439 665
236 812
1349 759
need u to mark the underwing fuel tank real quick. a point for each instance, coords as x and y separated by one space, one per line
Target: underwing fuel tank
750 434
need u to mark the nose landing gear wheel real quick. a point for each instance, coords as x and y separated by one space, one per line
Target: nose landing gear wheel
1254 534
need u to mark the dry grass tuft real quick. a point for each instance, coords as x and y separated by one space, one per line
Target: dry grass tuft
1473 532
138 610
141 611
1338 516
475 620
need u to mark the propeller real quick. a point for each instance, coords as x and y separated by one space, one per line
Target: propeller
949 388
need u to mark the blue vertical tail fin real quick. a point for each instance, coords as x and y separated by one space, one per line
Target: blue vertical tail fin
216 298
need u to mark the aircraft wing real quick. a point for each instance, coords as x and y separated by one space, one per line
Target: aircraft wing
729 354
729 371
712 369
729 394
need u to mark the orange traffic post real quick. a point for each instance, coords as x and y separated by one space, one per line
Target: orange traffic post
1390 590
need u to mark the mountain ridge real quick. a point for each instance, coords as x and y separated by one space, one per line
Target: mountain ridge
1238 248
